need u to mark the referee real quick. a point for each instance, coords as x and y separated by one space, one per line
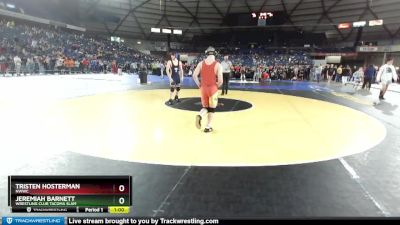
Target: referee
226 73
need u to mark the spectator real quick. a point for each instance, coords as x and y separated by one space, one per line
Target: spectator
50 46
3 65
114 67
331 72
339 73
17 64
368 76
358 76
318 72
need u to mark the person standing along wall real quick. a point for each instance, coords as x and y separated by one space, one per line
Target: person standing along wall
17 64
368 76
339 73
162 68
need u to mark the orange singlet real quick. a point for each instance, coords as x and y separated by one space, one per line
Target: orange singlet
209 88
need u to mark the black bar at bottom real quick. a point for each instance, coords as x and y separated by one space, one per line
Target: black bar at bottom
317 221
162 221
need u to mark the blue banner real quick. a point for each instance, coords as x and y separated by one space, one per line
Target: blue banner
16 220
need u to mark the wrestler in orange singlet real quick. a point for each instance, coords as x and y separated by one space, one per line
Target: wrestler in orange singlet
208 69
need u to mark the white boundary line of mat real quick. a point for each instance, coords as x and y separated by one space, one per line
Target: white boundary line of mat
356 178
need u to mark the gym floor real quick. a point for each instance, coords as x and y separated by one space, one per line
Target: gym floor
279 149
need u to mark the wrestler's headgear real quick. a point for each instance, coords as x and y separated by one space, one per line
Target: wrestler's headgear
211 51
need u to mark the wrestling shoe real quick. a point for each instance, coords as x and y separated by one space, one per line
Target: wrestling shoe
208 130
198 122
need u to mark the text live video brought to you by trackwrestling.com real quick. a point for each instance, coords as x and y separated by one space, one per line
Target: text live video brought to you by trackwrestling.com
104 221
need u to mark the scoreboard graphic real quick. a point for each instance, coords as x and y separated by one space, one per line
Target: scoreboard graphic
75 194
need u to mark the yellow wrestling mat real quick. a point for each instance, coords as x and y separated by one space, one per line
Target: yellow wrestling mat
137 126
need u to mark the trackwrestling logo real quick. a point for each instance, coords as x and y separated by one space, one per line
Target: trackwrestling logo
33 220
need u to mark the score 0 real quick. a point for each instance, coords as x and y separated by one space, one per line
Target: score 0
121 189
